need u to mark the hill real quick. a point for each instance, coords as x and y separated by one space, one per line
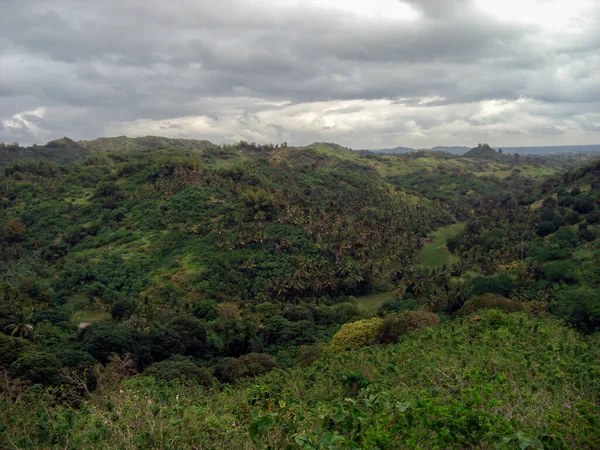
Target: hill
205 265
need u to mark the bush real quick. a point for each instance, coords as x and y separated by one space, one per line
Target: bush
501 284
587 235
558 271
230 370
545 228
396 325
565 238
11 348
179 368
580 307
593 217
355 335
106 338
490 301
37 367
122 310
584 205
572 218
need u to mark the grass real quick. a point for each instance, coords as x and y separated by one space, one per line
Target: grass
90 315
436 254
369 304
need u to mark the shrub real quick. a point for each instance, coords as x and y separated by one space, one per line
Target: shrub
490 301
122 309
230 370
565 238
587 235
37 367
593 217
545 228
557 271
580 307
572 218
106 338
179 368
396 325
500 284
583 205
11 348
355 335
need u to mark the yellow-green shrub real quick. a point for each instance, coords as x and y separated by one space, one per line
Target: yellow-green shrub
355 334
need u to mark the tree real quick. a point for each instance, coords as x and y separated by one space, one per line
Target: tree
545 228
122 310
103 339
490 301
20 325
355 335
14 229
396 325
179 368
584 205
580 307
37 367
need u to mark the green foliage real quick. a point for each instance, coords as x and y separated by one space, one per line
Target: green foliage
103 339
181 369
122 309
11 348
500 284
490 301
451 386
355 335
246 366
545 228
395 326
37 367
580 306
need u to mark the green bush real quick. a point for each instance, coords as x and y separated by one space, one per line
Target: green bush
396 325
355 335
490 301
37 367
179 368
580 307
545 228
230 370
11 348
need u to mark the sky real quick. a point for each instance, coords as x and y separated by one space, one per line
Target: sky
363 74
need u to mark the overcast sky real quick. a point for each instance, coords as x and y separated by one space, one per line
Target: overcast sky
365 74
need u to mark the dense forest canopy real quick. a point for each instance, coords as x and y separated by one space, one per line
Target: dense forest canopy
315 297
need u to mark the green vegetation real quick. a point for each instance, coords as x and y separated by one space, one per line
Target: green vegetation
159 293
435 254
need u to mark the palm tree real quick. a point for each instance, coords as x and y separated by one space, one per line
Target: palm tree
20 326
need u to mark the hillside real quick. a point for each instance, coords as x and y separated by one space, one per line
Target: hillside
487 381
208 265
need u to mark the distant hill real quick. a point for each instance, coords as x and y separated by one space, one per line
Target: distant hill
457 150
539 150
485 152
124 143
66 150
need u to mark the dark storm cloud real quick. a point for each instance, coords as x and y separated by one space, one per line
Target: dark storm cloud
92 64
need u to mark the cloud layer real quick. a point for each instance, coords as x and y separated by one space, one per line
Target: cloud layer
363 74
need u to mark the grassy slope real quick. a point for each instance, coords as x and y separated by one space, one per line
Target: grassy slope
453 386
435 254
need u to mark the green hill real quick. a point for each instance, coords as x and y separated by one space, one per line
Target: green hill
210 265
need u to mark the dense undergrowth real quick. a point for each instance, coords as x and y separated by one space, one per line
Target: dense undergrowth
485 381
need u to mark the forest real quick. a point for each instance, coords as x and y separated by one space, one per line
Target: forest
165 293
